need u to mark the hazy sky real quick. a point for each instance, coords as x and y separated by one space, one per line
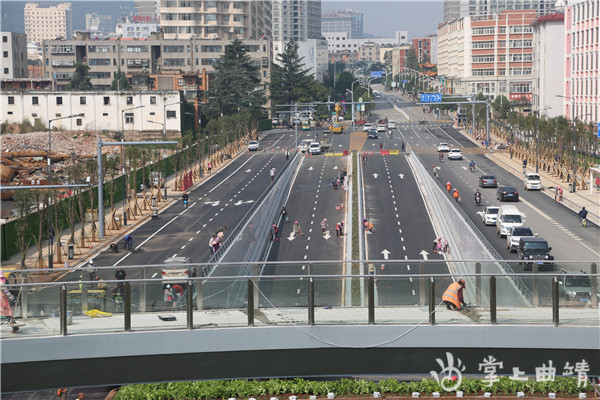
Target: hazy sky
383 18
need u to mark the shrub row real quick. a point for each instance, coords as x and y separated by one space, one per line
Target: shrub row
343 387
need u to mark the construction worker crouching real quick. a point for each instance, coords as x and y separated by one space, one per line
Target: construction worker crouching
453 296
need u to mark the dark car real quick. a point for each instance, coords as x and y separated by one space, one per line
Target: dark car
488 181
535 249
372 134
505 193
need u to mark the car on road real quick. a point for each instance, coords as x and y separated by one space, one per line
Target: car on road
391 124
489 215
515 234
535 249
505 193
253 145
381 128
175 270
443 147
488 181
372 134
508 217
575 287
304 145
532 182
455 154
314 148
367 127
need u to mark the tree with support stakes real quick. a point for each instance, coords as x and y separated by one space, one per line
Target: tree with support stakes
81 78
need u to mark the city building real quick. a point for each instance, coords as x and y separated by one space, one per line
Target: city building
147 8
30 83
153 55
344 56
454 9
398 58
315 57
349 21
402 37
297 20
219 19
492 54
434 47
101 110
138 27
369 52
99 23
582 22
422 48
14 56
548 64
50 22
192 84
339 41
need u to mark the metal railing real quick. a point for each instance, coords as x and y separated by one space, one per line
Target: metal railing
304 299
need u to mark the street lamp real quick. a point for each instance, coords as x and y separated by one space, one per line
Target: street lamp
165 138
352 91
123 161
49 179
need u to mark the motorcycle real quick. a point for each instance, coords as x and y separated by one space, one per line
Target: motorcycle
472 167
478 199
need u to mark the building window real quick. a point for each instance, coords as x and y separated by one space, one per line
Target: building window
129 118
105 114
82 100
5 39
11 100
171 114
152 99
35 100
59 100
79 122
106 101
5 54
6 70
129 100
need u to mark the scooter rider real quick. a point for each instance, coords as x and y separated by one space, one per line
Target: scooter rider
477 197
472 165
186 198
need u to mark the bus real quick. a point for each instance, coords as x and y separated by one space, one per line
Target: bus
306 125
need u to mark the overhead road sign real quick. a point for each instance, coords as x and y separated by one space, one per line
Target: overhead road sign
431 98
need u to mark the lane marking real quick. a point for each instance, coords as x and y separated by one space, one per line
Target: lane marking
233 173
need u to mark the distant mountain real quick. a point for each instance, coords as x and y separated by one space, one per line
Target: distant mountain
13 19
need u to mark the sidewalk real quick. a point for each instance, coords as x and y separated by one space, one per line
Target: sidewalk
92 248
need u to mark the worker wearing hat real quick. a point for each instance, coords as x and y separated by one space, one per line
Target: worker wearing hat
453 296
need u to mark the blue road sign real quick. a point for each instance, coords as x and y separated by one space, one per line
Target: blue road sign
376 74
431 98
598 129
404 81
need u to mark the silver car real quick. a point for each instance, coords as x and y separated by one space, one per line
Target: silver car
489 214
514 234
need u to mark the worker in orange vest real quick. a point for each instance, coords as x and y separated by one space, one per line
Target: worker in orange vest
455 195
453 296
448 187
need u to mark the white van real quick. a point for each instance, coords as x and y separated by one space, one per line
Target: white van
305 144
508 217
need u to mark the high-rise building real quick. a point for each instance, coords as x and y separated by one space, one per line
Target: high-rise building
350 21
50 22
246 19
295 20
454 9
14 55
492 55
147 8
582 22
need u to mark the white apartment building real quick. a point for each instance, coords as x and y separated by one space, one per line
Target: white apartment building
137 27
340 41
218 19
297 20
102 111
49 22
315 57
548 64
14 55
454 9
582 52
147 8
349 21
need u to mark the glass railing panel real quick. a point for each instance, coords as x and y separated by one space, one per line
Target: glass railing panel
281 302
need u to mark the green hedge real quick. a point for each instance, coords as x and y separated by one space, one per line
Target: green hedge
344 387
265 125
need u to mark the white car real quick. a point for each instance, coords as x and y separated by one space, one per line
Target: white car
489 214
304 145
455 154
515 234
253 145
314 148
381 128
178 272
532 182
443 147
391 124
367 127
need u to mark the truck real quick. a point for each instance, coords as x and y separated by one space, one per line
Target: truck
325 144
336 127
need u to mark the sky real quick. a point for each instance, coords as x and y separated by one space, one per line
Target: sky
383 18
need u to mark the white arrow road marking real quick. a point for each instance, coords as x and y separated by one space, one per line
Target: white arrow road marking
240 202
424 254
248 170
386 254
335 167
401 176
310 168
375 176
291 237
465 168
326 235
213 203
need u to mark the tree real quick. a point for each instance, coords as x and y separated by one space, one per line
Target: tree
237 86
290 80
81 78
411 60
120 82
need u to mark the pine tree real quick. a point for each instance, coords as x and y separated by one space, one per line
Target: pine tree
81 78
237 86
120 82
290 80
